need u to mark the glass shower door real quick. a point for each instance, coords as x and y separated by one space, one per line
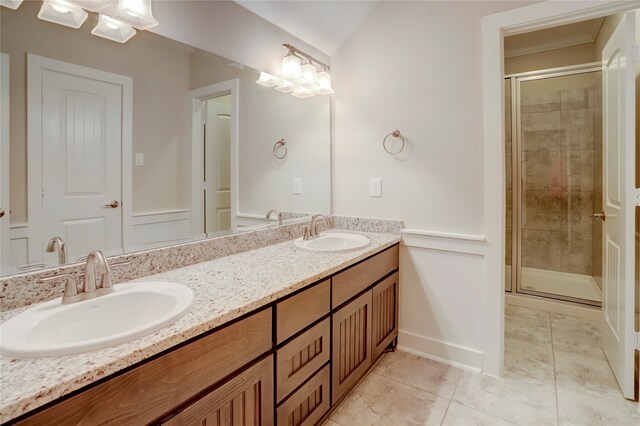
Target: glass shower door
559 149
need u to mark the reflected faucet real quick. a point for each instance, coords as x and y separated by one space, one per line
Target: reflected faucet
312 230
268 215
56 244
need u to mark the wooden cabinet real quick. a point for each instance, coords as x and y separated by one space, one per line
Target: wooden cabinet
155 388
384 314
351 356
351 281
301 357
246 399
297 312
308 404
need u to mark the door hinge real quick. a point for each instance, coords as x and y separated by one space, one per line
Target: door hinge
637 197
636 339
635 53
203 185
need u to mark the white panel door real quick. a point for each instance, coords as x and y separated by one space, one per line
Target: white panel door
4 164
81 163
618 87
218 166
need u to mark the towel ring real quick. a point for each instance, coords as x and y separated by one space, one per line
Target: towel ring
396 134
281 143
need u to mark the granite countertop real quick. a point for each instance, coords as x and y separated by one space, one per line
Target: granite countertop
225 289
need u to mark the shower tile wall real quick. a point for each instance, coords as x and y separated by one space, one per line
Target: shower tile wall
558 174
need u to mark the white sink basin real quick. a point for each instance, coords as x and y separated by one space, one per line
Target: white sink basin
333 242
131 311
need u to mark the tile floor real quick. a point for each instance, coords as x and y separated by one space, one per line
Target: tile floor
556 374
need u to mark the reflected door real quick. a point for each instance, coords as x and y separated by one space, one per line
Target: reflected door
217 167
81 166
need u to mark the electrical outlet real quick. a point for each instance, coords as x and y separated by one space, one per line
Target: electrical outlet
297 186
139 159
375 187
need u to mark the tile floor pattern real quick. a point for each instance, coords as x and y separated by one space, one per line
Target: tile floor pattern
555 374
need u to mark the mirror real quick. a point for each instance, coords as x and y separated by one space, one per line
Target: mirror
124 147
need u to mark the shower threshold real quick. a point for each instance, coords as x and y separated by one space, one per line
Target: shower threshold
575 286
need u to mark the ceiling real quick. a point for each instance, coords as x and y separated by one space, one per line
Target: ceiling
325 25
552 38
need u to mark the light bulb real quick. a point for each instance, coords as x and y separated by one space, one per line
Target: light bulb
291 67
323 80
308 74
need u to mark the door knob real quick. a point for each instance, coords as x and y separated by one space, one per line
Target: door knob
114 204
1 212
602 215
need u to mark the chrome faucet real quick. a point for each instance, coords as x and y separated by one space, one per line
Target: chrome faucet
311 231
91 288
57 244
268 215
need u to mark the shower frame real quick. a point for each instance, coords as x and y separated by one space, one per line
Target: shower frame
516 172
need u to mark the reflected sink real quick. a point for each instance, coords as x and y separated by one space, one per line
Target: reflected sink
333 242
131 311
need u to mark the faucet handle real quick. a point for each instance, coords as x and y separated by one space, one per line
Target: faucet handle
70 288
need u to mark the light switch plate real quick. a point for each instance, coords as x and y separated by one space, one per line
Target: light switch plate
139 159
297 185
375 187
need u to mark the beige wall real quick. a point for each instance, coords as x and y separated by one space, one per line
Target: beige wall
608 27
160 117
573 55
266 116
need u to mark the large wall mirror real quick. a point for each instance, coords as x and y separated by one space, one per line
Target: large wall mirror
124 147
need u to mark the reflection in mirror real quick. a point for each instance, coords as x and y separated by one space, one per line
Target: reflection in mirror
123 147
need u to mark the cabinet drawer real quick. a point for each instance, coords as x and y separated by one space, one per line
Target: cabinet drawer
297 312
384 314
299 358
355 279
246 399
153 389
307 406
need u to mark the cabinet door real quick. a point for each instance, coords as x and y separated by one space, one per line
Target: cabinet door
246 399
351 356
384 314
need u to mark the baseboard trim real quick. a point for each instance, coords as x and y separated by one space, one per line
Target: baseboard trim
446 353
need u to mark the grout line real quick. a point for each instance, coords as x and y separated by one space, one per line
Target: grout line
555 379
451 399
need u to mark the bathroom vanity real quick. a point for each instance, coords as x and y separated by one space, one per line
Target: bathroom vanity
288 353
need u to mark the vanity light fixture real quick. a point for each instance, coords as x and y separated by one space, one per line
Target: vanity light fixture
302 81
63 13
136 13
11 4
113 29
93 5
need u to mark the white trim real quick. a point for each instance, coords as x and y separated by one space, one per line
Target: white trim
4 163
198 96
159 228
591 313
35 67
573 40
494 29
444 352
435 240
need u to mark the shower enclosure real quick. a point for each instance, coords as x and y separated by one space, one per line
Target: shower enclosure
553 152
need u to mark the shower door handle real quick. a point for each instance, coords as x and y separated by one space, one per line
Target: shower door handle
602 215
